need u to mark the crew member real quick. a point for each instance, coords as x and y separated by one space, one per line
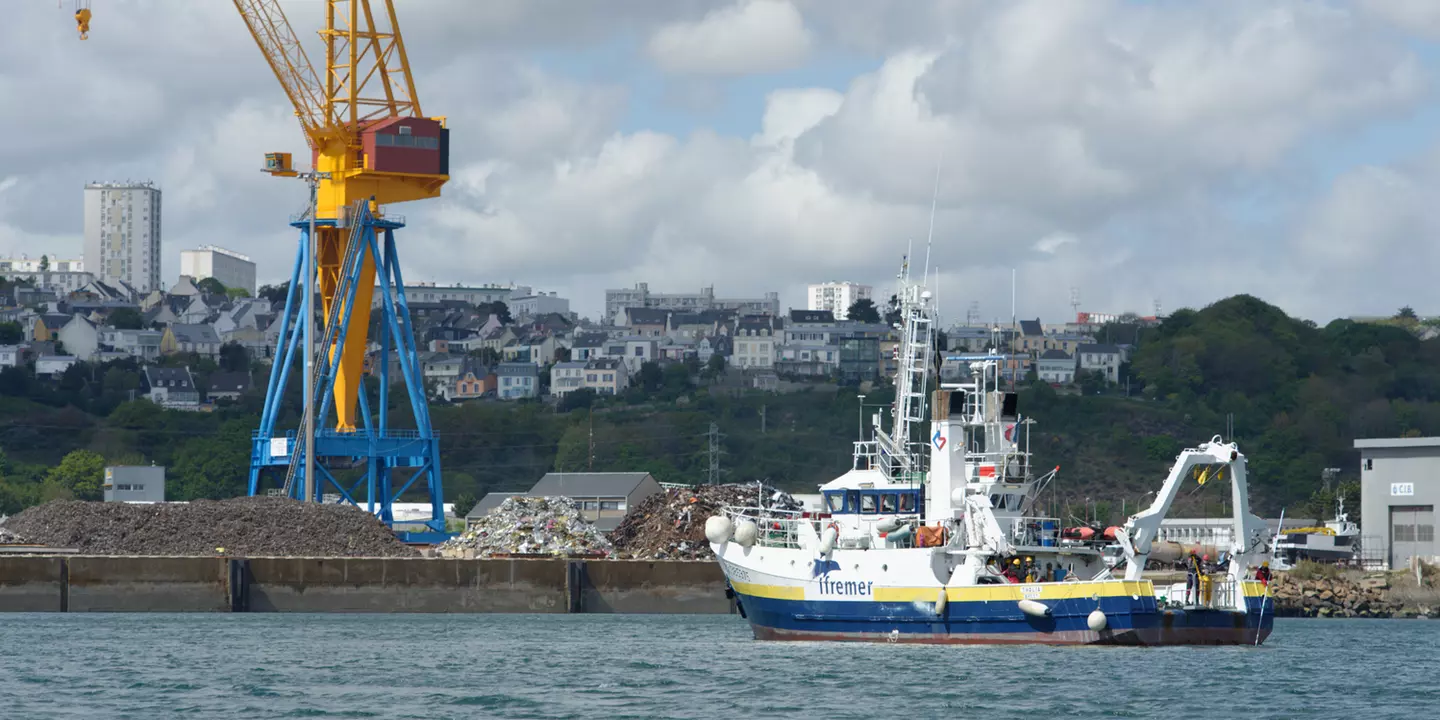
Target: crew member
1192 579
1262 573
1012 572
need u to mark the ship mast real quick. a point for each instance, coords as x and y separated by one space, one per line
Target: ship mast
912 376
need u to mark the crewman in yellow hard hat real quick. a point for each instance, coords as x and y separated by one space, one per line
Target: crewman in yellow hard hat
1263 573
1012 571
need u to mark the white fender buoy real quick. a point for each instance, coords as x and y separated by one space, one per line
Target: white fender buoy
827 539
888 525
746 533
1097 620
718 529
941 601
1034 609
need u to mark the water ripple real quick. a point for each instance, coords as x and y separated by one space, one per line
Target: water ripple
423 666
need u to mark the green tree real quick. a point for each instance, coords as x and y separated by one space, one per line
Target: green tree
44 263
211 286
577 399
714 367
863 310
892 311
497 308
234 293
82 473
275 293
464 503
11 333
650 378
234 357
1406 313
126 318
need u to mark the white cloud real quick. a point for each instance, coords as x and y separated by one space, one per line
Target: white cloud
1133 127
1050 244
752 36
1421 17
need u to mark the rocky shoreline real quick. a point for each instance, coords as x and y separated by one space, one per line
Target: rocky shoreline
1352 594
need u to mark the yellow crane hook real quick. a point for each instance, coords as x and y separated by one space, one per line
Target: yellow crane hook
82 19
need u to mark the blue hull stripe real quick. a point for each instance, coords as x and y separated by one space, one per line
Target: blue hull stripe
1068 618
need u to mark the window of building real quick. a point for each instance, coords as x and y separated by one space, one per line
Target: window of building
592 505
609 505
1369 464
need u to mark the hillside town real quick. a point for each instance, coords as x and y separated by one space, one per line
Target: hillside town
500 342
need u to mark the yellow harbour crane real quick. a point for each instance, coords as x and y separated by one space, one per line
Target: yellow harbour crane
370 147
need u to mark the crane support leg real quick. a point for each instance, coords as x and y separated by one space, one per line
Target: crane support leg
365 463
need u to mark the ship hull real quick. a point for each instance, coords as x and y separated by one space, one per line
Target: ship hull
893 596
1130 621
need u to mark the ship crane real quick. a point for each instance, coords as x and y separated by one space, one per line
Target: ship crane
370 147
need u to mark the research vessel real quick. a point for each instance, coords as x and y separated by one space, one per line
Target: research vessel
935 534
1334 542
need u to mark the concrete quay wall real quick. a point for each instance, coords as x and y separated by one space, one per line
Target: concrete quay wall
36 583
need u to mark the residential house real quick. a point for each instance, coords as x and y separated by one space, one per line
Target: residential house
587 346
754 342
141 344
45 327
969 339
256 341
53 365
475 381
1056 367
10 356
647 322
440 370
606 376
228 385
517 380
172 387
1102 358
498 338
1067 342
1031 338
604 498
185 287
79 337
637 352
566 377
185 338
197 311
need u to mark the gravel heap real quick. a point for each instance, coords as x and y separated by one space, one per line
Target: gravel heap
8 537
531 526
670 525
249 526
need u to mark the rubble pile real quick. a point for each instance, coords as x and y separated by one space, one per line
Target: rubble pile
670 525
8 537
249 526
1369 597
530 526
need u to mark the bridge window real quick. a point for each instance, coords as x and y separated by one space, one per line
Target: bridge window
852 501
889 502
907 502
869 503
835 502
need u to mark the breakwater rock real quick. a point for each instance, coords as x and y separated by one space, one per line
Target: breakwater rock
1376 595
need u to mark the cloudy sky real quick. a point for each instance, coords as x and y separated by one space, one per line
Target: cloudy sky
1137 151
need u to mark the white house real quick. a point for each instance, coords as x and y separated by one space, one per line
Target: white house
1055 367
517 380
172 387
754 343
1101 358
566 377
9 355
79 337
52 365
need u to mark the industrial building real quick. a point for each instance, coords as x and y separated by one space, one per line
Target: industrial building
1399 489
616 301
122 234
231 269
837 297
135 483
604 498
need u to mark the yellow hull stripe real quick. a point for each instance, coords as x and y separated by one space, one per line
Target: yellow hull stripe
982 593
1254 588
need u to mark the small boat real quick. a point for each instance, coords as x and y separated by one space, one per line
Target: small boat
934 535
1335 542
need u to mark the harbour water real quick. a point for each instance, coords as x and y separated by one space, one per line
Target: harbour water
630 666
